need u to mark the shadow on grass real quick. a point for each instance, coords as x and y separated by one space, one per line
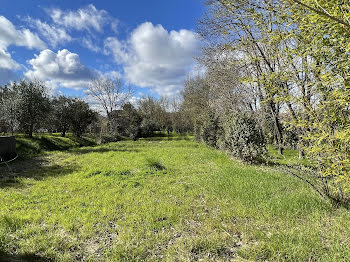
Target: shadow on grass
22 258
88 150
37 169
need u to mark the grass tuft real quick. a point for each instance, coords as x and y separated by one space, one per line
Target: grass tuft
155 165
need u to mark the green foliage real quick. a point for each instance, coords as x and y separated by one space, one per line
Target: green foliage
9 105
147 127
128 122
61 113
33 107
243 137
209 129
322 36
80 116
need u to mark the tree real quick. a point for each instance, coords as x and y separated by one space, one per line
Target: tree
129 121
110 93
240 32
322 36
33 106
61 113
80 116
9 104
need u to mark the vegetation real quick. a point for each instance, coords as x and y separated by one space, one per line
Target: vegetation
274 92
286 63
161 198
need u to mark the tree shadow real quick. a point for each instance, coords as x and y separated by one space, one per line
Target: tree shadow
88 150
38 169
22 258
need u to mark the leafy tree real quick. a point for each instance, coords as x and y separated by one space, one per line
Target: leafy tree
323 37
9 104
80 116
33 106
61 113
129 121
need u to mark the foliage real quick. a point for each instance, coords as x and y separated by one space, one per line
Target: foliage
243 137
34 105
147 127
61 113
209 129
9 104
128 122
80 116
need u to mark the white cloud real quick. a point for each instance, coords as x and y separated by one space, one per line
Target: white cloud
54 35
9 35
63 69
89 44
153 57
6 61
85 18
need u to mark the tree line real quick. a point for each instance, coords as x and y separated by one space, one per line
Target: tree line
26 107
277 71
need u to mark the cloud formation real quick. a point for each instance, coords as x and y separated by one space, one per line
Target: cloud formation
63 68
9 35
6 61
153 57
53 34
85 18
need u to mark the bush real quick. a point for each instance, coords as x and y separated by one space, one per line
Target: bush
108 138
147 127
207 129
243 138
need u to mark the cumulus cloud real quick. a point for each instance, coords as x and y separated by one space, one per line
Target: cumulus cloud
53 34
9 35
153 57
6 61
63 69
85 18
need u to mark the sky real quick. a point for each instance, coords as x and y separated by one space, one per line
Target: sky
150 45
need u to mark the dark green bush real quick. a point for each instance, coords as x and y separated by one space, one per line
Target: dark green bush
207 129
243 138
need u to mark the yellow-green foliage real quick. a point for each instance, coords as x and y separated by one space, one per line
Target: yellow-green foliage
323 38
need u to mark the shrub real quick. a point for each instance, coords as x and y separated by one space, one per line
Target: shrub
207 129
243 138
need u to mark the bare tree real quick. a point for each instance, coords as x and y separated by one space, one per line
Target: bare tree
110 93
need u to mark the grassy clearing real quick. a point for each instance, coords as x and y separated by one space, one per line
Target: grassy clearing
165 199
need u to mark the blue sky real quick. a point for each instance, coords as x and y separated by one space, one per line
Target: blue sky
149 44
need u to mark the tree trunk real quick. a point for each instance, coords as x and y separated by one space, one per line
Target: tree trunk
301 153
31 130
278 128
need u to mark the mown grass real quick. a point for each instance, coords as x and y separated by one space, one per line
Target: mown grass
165 199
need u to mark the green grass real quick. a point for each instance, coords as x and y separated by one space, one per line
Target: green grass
39 144
165 199
290 157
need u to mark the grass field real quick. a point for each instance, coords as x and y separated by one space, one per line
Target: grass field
163 199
